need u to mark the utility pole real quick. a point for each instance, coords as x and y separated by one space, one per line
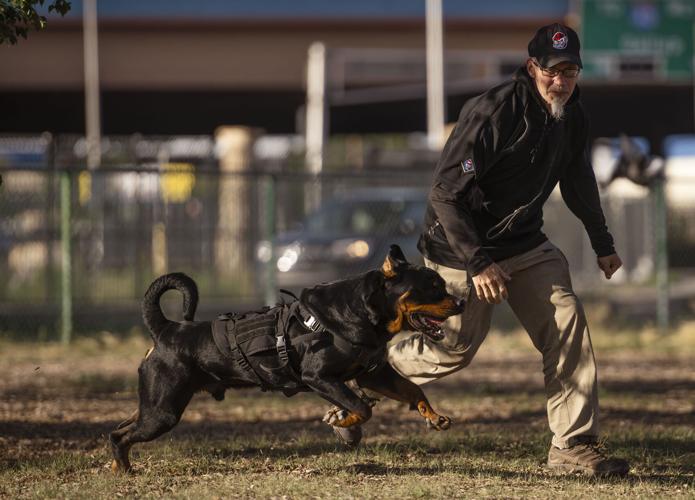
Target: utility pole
315 106
436 105
93 139
91 84
316 119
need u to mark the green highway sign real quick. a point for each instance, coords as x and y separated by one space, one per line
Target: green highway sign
639 39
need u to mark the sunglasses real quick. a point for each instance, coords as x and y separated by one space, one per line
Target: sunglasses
552 72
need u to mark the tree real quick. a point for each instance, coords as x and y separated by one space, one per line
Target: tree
17 17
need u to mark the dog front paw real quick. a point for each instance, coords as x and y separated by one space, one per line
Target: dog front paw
338 417
335 415
433 419
439 423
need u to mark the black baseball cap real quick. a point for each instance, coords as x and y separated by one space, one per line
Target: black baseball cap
554 44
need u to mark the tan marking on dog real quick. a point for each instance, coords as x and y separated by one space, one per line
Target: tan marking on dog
437 421
350 420
426 411
117 468
441 309
396 325
388 268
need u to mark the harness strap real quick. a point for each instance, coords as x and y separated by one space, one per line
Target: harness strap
364 357
281 339
369 360
227 344
234 346
219 335
307 319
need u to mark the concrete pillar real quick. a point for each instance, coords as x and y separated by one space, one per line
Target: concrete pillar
233 145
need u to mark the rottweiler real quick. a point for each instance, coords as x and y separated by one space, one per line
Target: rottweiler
334 332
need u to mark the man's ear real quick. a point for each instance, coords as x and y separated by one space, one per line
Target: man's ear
393 261
530 68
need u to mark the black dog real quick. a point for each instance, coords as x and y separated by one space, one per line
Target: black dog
633 164
334 333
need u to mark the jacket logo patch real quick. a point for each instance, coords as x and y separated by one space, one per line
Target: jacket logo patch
559 40
467 166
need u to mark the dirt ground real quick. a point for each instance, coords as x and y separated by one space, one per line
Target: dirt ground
58 404
52 399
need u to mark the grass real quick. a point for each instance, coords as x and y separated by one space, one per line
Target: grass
463 464
57 405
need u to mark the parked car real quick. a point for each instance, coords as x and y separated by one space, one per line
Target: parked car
349 235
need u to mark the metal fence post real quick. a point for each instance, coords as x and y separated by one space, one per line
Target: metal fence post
661 248
269 236
66 256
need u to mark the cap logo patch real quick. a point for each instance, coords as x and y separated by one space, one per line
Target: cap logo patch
559 40
467 166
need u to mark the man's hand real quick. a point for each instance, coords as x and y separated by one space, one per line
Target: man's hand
609 264
490 284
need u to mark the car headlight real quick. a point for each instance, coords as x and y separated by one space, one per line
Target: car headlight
264 251
351 249
288 258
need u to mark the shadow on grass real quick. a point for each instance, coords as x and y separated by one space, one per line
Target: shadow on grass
18 429
306 438
650 416
662 446
674 476
534 385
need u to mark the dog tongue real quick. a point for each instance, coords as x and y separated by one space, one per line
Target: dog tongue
433 321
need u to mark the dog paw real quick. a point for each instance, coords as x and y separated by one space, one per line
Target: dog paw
335 416
117 468
440 423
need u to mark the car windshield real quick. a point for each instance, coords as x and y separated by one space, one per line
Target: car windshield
363 217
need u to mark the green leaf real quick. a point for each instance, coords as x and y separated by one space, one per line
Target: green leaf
17 16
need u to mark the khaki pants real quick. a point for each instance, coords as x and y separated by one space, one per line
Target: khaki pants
541 296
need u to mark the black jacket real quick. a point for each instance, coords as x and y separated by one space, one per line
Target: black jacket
506 154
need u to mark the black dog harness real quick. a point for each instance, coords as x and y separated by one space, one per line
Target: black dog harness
258 342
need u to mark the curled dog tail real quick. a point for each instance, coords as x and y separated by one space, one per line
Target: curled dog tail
152 312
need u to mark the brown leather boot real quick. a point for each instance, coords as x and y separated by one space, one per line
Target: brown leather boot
587 458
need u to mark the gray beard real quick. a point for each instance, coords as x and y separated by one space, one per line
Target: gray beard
557 109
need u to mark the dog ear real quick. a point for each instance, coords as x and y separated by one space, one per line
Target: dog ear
393 261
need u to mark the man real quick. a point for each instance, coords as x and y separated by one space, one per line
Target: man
509 149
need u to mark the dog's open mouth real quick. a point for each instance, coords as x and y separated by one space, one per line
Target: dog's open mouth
429 325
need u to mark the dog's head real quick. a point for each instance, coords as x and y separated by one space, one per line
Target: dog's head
398 296
633 163
416 296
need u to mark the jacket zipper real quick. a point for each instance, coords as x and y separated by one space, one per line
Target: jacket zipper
433 228
534 150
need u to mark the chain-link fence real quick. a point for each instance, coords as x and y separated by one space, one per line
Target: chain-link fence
242 235
123 226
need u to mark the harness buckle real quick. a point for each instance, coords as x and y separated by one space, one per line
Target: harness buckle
311 323
281 346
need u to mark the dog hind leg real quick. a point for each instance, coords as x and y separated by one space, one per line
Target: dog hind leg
164 394
132 418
